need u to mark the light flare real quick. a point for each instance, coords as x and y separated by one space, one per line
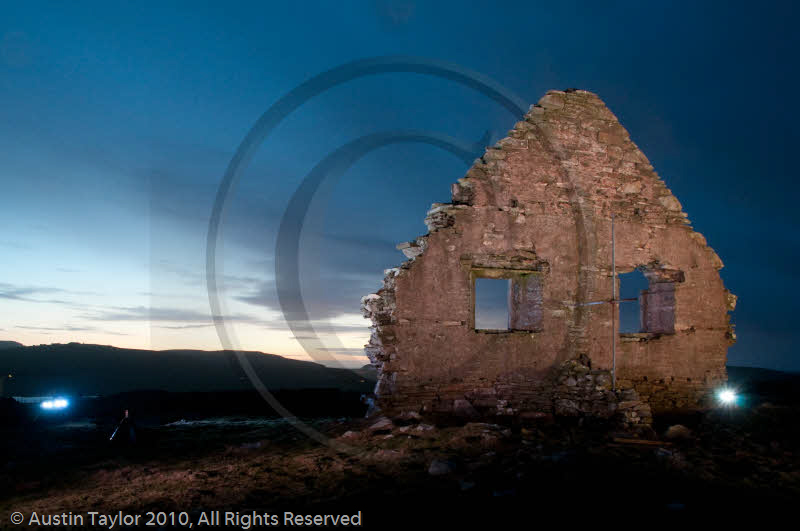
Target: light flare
727 397
56 403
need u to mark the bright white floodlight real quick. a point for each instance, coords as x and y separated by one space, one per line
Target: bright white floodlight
58 403
727 397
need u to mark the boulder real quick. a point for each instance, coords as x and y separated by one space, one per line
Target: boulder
678 432
382 425
439 467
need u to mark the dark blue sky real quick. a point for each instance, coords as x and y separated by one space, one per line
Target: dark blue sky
118 121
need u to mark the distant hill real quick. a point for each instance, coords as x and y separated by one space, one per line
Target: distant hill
9 344
77 368
368 372
746 374
765 384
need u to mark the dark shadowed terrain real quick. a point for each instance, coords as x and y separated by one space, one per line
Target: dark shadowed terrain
726 463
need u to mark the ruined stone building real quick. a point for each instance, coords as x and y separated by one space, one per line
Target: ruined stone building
536 210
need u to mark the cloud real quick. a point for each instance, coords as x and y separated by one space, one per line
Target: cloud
27 294
185 327
12 292
59 329
337 270
47 330
198 278
326 298
180 315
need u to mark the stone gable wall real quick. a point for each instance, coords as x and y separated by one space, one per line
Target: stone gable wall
540 202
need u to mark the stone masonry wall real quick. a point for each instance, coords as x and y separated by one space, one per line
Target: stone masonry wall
539 203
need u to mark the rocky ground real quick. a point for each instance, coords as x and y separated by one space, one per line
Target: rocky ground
722 462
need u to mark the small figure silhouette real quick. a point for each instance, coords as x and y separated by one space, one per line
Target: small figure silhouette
125 432
369 401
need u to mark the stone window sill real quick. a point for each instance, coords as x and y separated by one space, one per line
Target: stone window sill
640 336
488 331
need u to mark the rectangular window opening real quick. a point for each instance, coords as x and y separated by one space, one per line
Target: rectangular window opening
491 303
652 309
631 286
512 302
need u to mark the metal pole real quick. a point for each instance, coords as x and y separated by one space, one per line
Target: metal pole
613 308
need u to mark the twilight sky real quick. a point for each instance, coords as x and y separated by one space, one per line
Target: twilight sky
118 122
